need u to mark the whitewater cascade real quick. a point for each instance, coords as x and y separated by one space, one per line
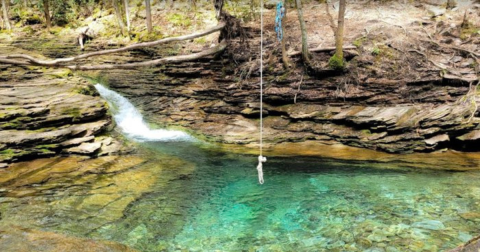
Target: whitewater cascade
130 121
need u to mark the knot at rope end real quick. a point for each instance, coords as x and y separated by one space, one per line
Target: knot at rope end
261 159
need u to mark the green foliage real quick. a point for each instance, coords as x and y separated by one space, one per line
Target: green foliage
359 41
7 154
179 19
468 30
376 51
68 11
336 63
86 90
144 35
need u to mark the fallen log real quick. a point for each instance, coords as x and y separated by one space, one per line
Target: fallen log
173 59
323 49
59 61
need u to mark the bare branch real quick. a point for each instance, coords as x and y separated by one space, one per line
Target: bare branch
323 49
330 19
58 61
454 48
174 59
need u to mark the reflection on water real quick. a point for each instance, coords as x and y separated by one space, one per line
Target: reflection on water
184 196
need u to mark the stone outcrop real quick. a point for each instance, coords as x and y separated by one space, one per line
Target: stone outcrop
391 99
49 112
377 114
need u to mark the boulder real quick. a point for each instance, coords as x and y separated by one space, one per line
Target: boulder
429 224
84 149
77 141
470 136
437 139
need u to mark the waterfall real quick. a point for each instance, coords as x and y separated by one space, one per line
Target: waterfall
131 121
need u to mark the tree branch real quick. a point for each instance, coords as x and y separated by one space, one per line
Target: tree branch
174 59
58 61
324 49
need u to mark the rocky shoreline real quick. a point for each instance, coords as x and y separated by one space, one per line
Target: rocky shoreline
378 104
48 112
391 98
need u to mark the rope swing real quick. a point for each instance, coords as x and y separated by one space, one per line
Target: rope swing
261 158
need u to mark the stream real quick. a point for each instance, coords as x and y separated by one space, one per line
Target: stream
181 194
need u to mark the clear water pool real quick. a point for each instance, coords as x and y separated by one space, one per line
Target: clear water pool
187 197
177 194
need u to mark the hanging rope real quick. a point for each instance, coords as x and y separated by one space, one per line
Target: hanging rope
261 158
278 21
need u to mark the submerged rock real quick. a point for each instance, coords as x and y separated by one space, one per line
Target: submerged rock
429 224
13 239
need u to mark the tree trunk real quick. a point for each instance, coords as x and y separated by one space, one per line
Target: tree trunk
149 16
218 5
193 5
286 62
305 53
339 34
6 19
47 14
127 15
118 14
451 4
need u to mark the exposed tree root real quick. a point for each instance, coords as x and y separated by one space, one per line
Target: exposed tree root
323 49
174 59
57 62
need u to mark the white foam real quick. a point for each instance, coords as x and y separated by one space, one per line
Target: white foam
131 121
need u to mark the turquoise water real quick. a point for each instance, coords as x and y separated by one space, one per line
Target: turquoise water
306 204
179 194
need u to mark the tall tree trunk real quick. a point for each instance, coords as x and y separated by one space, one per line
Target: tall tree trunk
193 4
47 14
127 15
286 62
305 53
218 5
6 19
451 4
149 16
339 34
118 14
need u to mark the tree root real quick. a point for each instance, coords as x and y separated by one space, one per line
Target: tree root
324 49
59 61
174 59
